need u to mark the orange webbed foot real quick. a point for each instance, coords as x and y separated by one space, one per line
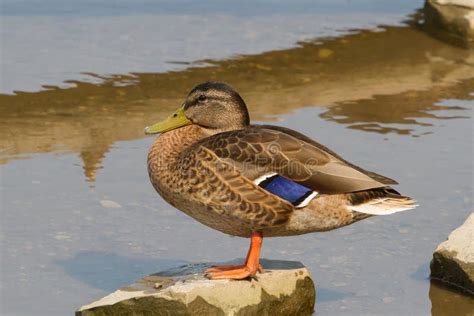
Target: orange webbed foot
230 267
240 272
233 274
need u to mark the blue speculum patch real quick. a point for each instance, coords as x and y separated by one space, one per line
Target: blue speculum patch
286 189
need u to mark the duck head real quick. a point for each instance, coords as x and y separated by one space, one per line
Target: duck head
215 106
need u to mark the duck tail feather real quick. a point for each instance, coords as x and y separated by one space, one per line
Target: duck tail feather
383 201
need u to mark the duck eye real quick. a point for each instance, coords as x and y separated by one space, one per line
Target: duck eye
202 98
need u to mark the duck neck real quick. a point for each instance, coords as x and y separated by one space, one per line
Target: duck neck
166 148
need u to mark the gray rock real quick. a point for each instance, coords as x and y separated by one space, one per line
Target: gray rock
284 288
453 260
452 20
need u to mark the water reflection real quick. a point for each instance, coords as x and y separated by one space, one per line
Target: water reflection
368 80
447 302
404 113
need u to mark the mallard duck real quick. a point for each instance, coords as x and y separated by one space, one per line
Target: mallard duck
257 181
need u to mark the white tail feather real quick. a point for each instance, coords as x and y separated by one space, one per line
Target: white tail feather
384 206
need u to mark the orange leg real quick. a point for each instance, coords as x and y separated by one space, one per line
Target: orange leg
233 267
238 272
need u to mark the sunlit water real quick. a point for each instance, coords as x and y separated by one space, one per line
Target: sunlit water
47 41
80 219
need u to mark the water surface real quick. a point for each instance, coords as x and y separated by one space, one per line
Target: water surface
80 219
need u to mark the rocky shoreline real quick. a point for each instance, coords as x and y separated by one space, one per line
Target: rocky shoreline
453 259
451 20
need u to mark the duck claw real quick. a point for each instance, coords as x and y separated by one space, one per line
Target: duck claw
229 267
223 268
234 274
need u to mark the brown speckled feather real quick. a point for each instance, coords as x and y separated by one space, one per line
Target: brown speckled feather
257 150
223 189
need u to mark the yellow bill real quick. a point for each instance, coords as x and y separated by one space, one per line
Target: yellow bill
175 120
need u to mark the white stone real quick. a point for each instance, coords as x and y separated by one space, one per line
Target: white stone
285 288
452 20
461 3
453 260
461 242
110 204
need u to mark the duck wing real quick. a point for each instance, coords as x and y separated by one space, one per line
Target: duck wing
373 175
258 151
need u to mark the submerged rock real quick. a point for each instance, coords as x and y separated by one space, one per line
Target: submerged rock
452 20
453 260
284 288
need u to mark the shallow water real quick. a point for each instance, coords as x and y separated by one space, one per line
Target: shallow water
47 41
79 217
